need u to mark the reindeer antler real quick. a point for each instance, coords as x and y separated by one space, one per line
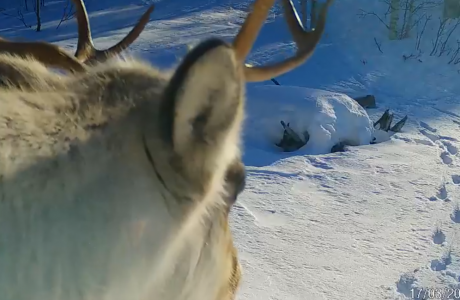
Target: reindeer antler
86 52
54 56
46 53
305 41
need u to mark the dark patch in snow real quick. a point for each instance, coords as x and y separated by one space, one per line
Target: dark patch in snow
405 284
428 127
455 216
456 179
445 157
438 236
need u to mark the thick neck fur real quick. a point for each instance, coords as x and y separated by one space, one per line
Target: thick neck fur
54 122
84 214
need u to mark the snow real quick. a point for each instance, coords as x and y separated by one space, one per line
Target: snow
361 224
329 118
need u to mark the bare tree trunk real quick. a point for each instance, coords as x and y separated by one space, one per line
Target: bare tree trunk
37 12
394 18
25 4
410 19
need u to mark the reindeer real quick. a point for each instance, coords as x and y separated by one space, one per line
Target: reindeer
117 178
29 68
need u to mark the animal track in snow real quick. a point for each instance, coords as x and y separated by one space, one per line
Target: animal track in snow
318 163
424 142
456 179
445 157
441 263
447 112
448 138
427 127
402 138
405 284
444 143
433 137
438 236
451 148
442 192
455 215
446 148
430 134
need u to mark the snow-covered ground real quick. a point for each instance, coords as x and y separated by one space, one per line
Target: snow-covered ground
311 225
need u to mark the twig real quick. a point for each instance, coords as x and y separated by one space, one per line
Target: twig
444 43
378 45
455 59
435 43
275 81
19 16
418 39
67 15
364 13
406 57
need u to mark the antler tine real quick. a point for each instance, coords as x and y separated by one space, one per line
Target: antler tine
305 41
248 33
54 56
129 38
85 42
86 52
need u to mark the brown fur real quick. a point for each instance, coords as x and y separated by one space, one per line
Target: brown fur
26 74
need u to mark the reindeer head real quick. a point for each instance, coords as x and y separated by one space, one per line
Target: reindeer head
117 179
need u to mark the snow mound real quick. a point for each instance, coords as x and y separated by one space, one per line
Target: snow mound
328 117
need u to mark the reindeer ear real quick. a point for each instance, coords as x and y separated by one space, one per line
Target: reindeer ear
202 108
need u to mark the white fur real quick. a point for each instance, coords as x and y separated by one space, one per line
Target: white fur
83 214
